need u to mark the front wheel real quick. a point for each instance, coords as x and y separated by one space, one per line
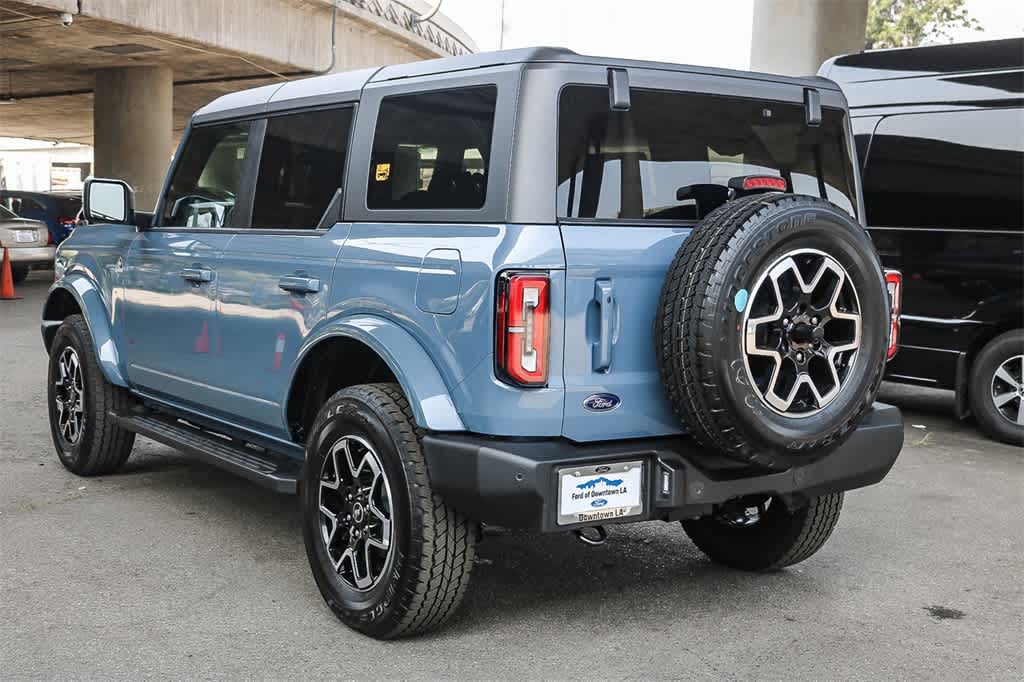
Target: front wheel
391 559
81 402
762 533
996 390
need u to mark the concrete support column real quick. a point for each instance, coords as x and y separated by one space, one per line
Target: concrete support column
794 37
132 128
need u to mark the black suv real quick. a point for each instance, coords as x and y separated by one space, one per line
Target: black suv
940 135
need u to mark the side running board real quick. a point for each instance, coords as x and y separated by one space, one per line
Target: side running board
277 472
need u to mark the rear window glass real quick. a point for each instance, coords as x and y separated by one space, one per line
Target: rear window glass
431 150
671 156
69 207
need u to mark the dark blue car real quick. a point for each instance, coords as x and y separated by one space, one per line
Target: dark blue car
57 209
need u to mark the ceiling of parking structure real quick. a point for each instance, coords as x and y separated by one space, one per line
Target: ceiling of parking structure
48 69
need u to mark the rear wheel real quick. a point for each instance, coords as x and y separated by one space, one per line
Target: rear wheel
85 434
763 534
390 557
996 388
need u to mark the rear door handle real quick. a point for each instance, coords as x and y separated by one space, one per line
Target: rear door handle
197 275
606 322
299 284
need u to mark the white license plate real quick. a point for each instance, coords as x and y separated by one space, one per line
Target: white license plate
22 236
600 492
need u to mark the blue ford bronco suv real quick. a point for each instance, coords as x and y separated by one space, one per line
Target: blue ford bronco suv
528 288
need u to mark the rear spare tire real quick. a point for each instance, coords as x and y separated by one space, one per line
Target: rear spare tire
772 329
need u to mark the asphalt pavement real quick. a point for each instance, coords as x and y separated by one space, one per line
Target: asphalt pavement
175 569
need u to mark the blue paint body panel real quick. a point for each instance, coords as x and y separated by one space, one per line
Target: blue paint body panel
439 282
631 260
230 348
169 326
93 262
262 327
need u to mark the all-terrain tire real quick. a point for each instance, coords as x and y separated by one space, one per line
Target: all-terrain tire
429 569
997 425
782 537
700 317
102 446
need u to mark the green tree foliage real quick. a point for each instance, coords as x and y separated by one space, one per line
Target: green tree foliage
907 23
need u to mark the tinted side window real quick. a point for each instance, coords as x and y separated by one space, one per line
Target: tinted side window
28 204
207 177
672 154
301 168
959 169
432 150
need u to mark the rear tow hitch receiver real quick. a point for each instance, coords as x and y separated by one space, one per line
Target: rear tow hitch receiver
743 511
597 536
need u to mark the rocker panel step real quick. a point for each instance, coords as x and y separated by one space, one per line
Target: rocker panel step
277 472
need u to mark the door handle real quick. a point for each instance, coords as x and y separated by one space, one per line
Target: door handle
606 322
197 275
299 284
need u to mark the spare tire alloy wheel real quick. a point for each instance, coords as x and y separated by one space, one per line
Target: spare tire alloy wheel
355 512
772 329
802 331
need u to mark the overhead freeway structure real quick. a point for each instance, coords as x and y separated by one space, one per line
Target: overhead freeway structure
125 75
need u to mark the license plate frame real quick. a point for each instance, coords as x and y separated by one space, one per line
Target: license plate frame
583 497
25 236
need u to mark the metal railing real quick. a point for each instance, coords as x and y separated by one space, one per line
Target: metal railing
403 16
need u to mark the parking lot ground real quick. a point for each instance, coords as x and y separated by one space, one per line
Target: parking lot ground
174 569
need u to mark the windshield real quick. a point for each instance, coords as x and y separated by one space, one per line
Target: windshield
672 154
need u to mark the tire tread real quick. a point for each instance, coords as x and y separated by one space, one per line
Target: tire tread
687 330
105 446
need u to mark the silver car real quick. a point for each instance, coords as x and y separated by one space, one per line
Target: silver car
28 242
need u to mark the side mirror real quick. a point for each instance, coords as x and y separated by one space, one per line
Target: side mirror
108 201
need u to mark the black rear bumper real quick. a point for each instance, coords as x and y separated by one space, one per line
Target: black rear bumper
513 483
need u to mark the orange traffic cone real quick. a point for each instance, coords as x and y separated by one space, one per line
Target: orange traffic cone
6 279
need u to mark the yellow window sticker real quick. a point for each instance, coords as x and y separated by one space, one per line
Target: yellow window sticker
383 172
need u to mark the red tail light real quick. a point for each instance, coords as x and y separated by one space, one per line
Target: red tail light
764 182
894 285
523 327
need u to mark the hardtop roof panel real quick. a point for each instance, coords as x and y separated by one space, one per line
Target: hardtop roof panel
347 85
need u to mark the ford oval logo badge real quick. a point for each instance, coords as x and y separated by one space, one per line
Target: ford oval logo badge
602 402
600 502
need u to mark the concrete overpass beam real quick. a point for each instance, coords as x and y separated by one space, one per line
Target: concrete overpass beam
132 122
794 37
